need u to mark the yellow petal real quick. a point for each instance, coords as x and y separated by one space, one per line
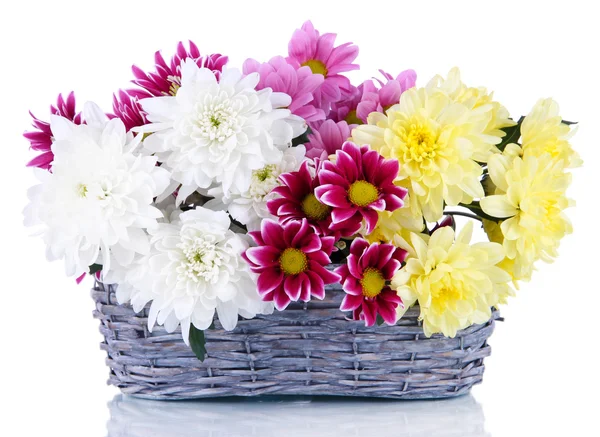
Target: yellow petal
498 205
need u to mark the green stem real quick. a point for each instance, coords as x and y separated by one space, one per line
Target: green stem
474 207
463 214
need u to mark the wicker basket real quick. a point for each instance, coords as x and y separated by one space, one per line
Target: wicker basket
308 349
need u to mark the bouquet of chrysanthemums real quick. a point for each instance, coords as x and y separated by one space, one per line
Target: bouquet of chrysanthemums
212 189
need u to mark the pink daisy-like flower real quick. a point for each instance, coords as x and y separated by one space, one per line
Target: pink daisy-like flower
166 80
41 139
309 48
379 98
365 279
358 185
126 106
297 199
345 110
327 137
299 84
290 262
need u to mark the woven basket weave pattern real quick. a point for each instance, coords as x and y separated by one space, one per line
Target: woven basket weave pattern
308 349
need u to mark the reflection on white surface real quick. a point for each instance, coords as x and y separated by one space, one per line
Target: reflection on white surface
291 417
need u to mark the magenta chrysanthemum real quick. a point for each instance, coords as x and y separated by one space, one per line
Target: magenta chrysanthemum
309 48
365 278
290 262
166 80
327 137
126 106
41 138
297 199
358 185
299 84
379 98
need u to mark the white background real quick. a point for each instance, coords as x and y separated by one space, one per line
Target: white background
542 378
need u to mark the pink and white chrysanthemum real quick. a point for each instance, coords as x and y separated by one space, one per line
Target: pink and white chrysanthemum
126 106
296 199
166 80
299 84
381 96
365 278
290 262
357 186
327 137
309 48
41 138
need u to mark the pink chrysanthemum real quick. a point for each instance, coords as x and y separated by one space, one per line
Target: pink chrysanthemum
365 279
298 201
290 262
126 106
299 84
358 185
166 80
345 110
327 137
309 48
41 139
379 98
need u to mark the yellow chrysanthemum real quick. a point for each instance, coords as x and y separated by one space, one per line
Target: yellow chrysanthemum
438 143
455 283
543 132
474 98
494 233
530 198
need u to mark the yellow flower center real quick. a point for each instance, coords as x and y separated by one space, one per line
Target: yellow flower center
316 66
293 261
82 190
446 293
264 173
314 209
372 282
421 143
174 88
418 140
362 193
352 118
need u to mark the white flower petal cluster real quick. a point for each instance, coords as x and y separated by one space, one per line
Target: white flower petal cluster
95 204
194 269
215 133
250 207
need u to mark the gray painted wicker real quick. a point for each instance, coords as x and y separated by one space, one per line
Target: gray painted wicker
308 349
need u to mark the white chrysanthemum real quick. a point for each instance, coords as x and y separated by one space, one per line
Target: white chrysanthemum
250 208
194 268
217 132
97 200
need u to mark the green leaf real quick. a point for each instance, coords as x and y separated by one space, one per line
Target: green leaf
380 320
569 123
302 139
197 342
94 268
513 133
